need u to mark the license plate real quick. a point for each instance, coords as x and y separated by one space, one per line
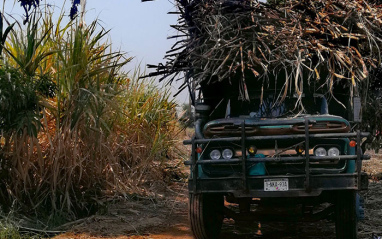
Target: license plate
280 184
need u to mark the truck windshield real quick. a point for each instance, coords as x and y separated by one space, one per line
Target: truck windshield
269 108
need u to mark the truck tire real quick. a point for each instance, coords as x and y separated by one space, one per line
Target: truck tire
345 215
206 215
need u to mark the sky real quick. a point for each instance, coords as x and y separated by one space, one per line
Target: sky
138 28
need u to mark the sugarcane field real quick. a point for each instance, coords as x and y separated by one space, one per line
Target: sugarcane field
177 119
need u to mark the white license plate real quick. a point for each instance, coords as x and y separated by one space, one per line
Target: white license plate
280 184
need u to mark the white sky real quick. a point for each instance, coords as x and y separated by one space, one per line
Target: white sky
138 28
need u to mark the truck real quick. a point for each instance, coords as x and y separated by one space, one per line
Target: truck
256 160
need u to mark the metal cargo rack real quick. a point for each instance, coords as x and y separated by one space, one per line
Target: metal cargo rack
307 184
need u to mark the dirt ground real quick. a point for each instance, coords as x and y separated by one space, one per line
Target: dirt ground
167 218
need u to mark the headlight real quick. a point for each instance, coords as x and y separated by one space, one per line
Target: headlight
215 154
333 152
320 152
227 154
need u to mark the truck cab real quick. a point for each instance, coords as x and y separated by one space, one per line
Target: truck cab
277 150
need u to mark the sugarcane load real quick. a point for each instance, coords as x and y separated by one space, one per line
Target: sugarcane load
282 91
287 46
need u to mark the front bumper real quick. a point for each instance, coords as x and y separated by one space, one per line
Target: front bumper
297 185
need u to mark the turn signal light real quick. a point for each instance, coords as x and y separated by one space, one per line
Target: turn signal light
300 149
252 150
352 143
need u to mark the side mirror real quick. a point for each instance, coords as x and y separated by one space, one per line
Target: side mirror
202 111
357 109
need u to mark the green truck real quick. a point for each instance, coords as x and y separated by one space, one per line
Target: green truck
257 160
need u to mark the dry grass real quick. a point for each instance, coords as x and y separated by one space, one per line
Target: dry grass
102 133
373 167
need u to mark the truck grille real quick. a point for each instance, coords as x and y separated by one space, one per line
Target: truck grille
229 131
323 127
234 130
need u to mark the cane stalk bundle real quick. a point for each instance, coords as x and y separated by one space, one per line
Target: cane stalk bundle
325 42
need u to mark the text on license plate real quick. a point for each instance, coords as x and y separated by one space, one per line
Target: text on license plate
280 184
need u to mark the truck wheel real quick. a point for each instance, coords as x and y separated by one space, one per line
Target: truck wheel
346 218
206 215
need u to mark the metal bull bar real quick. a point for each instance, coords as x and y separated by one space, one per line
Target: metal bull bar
194 162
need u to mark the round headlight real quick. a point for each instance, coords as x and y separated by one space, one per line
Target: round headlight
320 152
333 152
227 154
215 154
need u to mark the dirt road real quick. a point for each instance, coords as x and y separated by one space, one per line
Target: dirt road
167 219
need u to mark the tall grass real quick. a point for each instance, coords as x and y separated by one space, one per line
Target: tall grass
10 228
97 132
